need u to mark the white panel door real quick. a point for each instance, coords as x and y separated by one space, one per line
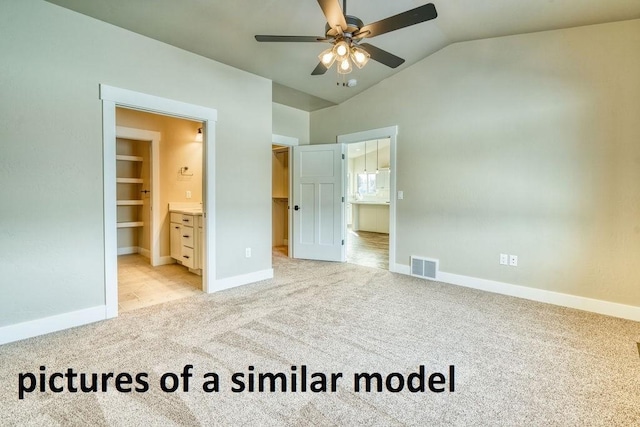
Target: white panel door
318 202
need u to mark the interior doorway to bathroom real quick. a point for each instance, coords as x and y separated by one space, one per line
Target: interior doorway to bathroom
158 164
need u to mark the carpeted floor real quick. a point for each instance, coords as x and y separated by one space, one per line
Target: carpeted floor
516 362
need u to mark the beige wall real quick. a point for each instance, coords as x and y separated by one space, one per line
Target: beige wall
178 149
525 145
289 121
51 210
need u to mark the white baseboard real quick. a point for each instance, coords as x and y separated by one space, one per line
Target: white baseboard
541 295
243 279
128 251
144 252
400 268
165 260
32 328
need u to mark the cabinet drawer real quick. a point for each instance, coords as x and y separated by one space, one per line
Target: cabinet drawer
188 258
176 217
187 220
187 237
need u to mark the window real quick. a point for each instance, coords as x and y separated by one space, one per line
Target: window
366 183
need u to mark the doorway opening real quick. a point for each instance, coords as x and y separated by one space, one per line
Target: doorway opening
280 199
281 153
113 97
370 190
368 201
158 172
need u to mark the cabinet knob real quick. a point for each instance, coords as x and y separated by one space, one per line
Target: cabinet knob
186 236
185 256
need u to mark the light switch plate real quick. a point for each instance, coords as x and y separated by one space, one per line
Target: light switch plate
400 195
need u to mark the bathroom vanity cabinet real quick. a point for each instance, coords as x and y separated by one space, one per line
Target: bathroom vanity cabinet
186 239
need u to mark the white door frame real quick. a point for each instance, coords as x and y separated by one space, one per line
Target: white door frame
154 139
390 132
287 141
113 97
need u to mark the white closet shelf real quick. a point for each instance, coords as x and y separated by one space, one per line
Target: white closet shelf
128 158
129 180
130 202
130 224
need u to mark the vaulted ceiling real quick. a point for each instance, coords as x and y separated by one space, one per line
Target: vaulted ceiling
224 31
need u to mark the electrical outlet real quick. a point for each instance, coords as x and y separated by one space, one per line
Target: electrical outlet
188 194
247 253
504 259
513 260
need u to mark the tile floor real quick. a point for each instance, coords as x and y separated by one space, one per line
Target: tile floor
141 285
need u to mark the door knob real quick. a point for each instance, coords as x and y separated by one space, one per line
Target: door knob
296 207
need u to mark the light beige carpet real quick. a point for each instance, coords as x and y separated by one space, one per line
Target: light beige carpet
516 362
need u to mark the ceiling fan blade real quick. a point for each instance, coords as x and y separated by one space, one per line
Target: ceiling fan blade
262 38
319 70
333 12
401 20
382 56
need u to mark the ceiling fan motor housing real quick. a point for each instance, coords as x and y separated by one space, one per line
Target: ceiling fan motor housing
353 25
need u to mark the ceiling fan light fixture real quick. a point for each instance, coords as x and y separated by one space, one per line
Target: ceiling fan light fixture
327 57
344 66
345 32
359 56
341 50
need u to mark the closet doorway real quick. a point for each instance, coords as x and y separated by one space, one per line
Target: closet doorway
281 152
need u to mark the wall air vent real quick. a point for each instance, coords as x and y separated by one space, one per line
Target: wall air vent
424 267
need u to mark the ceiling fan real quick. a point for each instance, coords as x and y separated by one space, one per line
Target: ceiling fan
346 33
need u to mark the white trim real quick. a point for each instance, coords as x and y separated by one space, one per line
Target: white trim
284 140
32 328
146 253
166 260
154 138
112 96
401 269
156 104
243 279
368 135
109 207
541 295
209 205
390 132
128 250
